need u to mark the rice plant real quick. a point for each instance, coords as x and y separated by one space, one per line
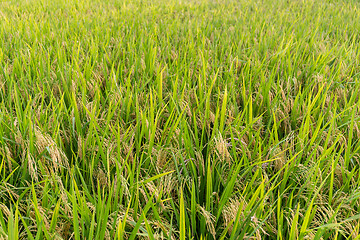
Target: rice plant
179 119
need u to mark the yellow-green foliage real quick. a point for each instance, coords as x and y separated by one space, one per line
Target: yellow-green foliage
179 119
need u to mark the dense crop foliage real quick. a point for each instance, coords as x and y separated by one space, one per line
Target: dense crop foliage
179 119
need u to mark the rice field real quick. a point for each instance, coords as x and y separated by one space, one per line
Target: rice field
179 119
